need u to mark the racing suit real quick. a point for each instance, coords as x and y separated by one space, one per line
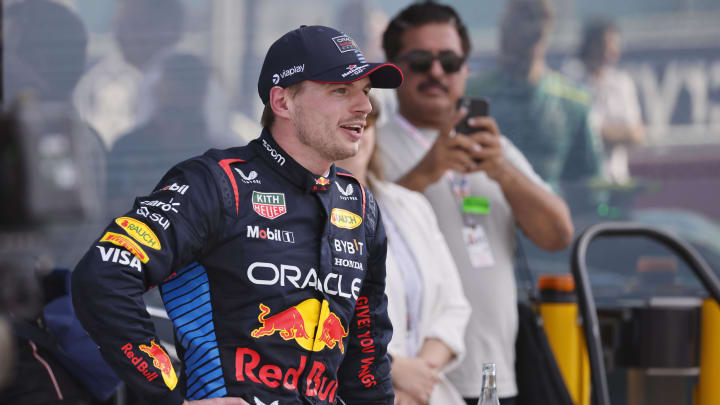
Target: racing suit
273 278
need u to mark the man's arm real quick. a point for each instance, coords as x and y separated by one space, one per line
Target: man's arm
364 374
448 152
542 215
163 232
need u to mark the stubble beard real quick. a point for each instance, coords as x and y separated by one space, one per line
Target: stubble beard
320 138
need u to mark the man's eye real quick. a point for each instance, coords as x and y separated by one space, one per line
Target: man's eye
341 90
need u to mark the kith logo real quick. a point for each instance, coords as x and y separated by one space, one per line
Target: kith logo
347 193
251 178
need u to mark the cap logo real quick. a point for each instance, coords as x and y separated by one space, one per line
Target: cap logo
287 73
354 70
345 44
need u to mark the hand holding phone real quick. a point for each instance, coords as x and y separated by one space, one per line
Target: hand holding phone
476 107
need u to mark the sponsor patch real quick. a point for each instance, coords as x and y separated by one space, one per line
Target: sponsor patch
280 159
256 232
345 44
179 188
259 402
354 70
344 219
165 206
253 367
347 192
162 362
120 256
127 243
287 73
345 246
155 217
269 205
287 275
310 323
139 362
251 177
351 264
139 231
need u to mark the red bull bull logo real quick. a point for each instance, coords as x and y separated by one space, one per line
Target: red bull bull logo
310 323
162 362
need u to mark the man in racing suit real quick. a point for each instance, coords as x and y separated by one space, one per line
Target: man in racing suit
269 260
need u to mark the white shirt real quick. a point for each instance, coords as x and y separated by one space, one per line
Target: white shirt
491 332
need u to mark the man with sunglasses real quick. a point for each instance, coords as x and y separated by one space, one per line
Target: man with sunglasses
479 185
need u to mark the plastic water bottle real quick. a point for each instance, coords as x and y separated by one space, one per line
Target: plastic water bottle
488 396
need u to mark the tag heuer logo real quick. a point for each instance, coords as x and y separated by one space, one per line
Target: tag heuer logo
344 219
269 205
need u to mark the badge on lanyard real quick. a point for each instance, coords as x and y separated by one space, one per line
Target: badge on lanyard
478 246
474 235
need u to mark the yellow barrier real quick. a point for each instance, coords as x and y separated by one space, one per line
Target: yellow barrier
560 321
708 388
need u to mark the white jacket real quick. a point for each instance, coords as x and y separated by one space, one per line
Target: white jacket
445 311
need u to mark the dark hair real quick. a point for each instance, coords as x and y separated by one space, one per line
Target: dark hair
417 15
523 25
50 42
593 42
268 115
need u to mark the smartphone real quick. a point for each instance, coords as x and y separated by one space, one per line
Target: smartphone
476 107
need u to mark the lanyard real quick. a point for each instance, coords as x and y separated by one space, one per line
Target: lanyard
458 181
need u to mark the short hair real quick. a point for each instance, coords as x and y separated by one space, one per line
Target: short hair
50 40
593 43
522 26
417 15
268 115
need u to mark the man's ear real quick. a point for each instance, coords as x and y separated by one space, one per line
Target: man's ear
279 102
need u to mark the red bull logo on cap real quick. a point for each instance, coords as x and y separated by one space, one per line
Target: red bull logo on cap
162 362
300 323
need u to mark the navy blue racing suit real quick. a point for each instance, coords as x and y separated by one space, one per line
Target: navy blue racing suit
273 277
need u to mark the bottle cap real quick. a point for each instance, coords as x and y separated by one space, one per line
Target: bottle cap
488 368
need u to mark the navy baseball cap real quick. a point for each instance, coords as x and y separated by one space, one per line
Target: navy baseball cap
324 55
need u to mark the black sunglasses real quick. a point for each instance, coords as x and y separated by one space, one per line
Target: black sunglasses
420 61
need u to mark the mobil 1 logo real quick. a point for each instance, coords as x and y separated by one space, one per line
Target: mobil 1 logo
255 232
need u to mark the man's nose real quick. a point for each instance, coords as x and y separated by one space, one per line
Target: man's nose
363 104
436 69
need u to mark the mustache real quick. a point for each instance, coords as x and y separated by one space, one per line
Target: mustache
432 83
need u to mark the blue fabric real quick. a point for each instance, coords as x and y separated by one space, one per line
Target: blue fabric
77 352
187 301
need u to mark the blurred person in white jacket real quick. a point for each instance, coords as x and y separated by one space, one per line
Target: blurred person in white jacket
426 303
